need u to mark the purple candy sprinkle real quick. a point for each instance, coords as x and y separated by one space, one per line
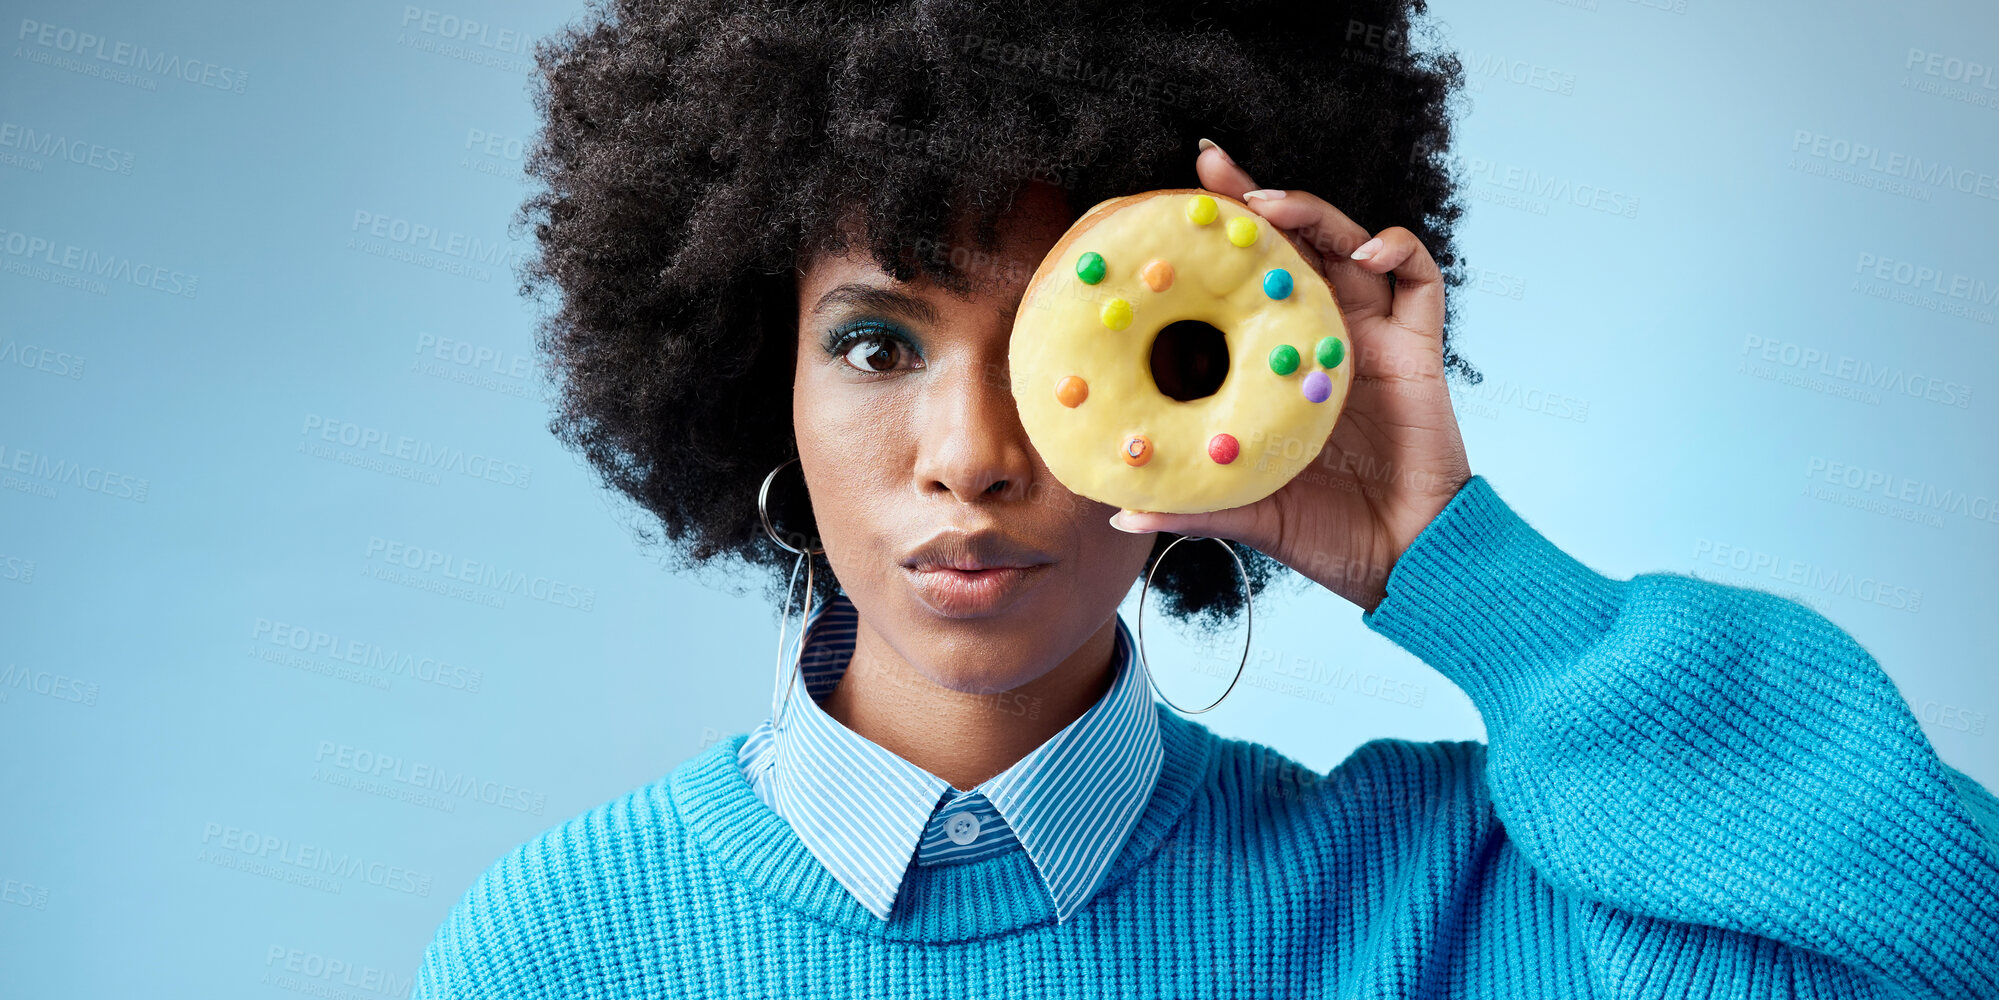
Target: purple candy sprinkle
1318 386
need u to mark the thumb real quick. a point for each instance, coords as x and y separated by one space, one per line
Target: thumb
1234 523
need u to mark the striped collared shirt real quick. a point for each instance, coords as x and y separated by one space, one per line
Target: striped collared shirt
865 812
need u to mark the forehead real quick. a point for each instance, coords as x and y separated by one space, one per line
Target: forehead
1024 233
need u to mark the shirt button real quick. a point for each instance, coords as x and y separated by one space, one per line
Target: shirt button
962 828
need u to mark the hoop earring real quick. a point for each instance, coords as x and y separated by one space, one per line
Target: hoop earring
1248 618
781 685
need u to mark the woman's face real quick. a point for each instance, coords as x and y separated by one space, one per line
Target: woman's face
960 550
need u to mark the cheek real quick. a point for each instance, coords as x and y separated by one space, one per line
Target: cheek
1103 554
856 451
824 412
855 436
1110 556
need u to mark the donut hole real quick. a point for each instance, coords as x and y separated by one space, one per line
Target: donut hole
1190 359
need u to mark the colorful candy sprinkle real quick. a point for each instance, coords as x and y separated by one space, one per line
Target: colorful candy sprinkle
1202 209
1318 386
1116 314
1242 230
1330 351
1277 283
1223 448
1071 391
1137 450
1157 274
1090 267
1284 359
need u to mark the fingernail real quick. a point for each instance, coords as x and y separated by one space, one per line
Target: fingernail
1368 249
1271 194
1117 519
1207 144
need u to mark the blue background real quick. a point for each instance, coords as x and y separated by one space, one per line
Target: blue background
1696 362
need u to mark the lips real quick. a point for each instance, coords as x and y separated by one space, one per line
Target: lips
962 574
957 593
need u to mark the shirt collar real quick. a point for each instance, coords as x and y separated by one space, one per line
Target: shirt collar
861 809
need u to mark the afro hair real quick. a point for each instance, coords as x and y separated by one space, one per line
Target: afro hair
691 153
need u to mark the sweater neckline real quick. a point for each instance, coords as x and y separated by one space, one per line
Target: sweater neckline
713 800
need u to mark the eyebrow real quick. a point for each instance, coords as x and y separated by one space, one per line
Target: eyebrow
878 299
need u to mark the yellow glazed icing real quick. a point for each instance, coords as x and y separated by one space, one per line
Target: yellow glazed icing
1063 331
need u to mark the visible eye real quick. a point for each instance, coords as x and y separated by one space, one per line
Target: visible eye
875 348
873 352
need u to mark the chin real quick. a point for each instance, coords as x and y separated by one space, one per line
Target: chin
994 682
989 655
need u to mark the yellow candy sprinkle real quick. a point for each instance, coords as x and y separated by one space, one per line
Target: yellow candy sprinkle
1116 314
1202 209
1242 231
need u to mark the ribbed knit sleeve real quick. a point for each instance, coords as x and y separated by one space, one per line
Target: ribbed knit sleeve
1709 773
485 948
582 899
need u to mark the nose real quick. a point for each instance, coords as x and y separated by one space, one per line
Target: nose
972 444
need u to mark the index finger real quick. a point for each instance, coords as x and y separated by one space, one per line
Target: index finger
1363 294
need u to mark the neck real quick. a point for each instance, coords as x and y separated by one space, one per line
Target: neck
961 737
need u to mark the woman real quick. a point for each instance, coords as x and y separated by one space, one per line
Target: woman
782 232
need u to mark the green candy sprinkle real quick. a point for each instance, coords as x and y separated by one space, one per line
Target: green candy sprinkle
1090 267
1331 351
1284 359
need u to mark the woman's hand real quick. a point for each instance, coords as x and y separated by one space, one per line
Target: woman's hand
1395 458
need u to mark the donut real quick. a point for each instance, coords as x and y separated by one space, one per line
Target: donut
1175 352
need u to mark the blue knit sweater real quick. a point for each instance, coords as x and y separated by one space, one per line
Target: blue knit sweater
1690 790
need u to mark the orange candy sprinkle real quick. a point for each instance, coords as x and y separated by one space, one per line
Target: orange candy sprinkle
1071 391
1137 450
1157 274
